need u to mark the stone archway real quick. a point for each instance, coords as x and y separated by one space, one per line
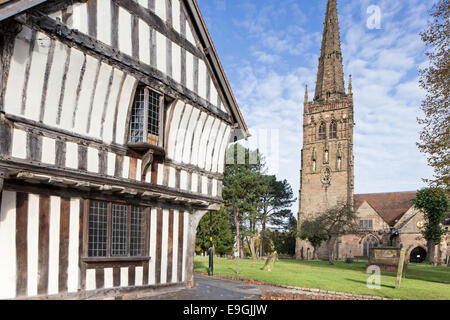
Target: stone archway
418 255
370 242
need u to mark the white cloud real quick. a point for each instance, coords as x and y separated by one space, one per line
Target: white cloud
384 66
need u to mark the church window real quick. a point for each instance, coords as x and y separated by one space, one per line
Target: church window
322 131
146 122
369 243
333 130
366 224
314 166
326 157
339 163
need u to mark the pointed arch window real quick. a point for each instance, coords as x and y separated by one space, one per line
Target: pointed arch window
322 131
333 130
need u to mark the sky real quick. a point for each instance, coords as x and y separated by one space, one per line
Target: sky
269 50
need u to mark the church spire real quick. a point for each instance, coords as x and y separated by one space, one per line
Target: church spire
330 77
306 94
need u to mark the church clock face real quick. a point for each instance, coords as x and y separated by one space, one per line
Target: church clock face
326 176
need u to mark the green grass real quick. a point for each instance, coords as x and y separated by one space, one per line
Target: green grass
423 282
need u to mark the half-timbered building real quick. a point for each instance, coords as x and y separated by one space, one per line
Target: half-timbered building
115 116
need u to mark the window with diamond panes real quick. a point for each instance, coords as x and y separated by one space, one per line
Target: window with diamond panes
115 230
119 230
98 229
137 234
146 120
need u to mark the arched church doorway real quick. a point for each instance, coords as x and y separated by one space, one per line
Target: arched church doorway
418 255
370 242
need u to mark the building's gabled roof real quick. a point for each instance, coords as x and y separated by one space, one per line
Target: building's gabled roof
390 206
10 8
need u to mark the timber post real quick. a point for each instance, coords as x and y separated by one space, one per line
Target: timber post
3 176
194 220
401 264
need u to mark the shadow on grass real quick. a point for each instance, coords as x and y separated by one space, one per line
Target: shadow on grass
365 283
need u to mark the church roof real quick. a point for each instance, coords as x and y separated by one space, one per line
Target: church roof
390 206
330 76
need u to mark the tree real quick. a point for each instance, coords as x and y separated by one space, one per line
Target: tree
241 189
435 135
434 204
313 231
338 221
275 197
223 238
255 200
284 240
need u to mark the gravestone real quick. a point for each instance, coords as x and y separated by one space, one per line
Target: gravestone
387 258
270 262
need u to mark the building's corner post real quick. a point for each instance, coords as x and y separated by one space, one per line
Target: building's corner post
194 220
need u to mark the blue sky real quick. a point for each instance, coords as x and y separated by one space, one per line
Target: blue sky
269 50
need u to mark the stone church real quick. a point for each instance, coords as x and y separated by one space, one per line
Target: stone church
327 171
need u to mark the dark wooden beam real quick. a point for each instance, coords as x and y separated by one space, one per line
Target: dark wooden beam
8 31
55 133
143 73
159 25
15 7
3 175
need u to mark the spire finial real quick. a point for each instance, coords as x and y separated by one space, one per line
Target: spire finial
306 94
350 85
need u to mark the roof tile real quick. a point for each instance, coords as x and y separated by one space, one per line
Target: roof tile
390 206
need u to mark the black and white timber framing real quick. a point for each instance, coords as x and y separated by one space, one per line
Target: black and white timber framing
69 73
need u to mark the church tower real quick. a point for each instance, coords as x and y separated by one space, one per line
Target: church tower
326 177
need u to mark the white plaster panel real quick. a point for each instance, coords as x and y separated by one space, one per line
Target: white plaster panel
48 151
71 86
104 21
8 264
32 245
19 144
54 232
125 42
16 78
36 76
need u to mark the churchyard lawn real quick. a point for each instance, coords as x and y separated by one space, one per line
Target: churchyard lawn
423 282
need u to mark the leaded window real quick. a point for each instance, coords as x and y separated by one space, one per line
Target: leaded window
119 230
98 228
115 230
137 240
322 131
146 117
